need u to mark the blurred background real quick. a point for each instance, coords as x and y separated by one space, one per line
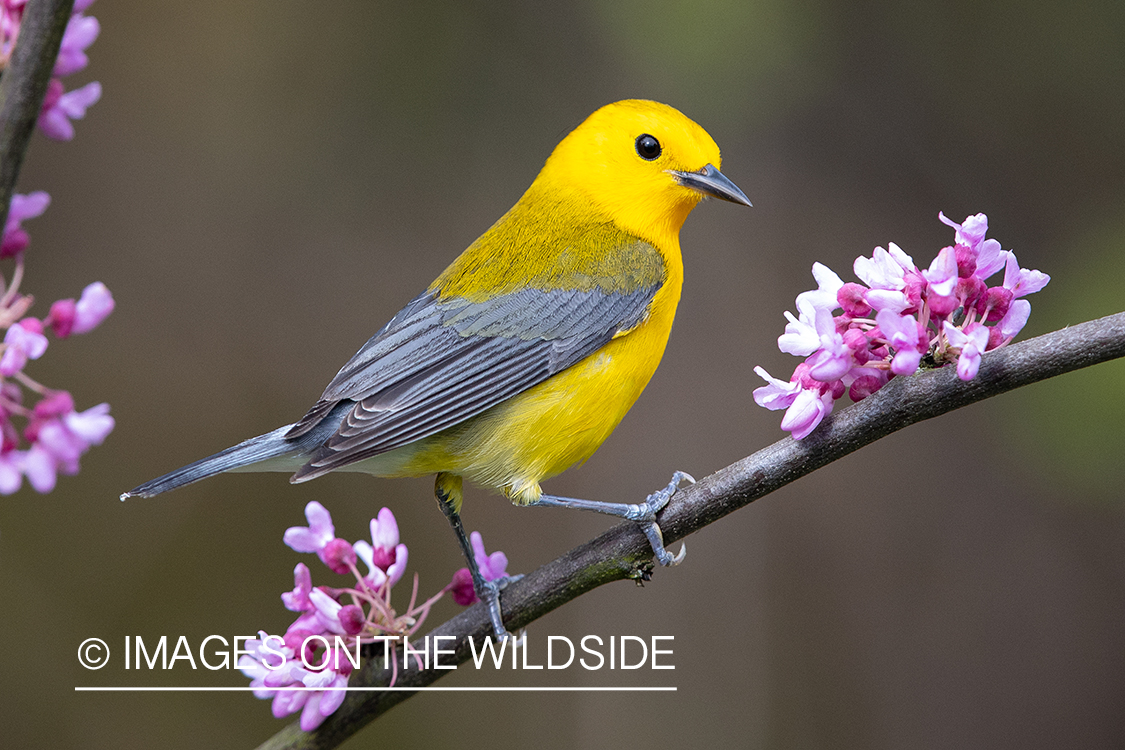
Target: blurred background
265 183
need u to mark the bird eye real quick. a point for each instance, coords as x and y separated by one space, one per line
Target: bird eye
648 148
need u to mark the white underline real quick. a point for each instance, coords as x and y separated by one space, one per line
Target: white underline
490 689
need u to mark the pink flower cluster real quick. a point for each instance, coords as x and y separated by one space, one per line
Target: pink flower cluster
306 669
55 433
59 106
899 319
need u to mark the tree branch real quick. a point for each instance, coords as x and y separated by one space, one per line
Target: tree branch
623 552
24 84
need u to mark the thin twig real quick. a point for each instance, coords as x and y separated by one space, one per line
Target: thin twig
623 552
24 84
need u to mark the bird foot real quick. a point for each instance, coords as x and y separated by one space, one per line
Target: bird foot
645 517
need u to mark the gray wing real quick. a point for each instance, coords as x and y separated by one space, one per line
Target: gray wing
440 362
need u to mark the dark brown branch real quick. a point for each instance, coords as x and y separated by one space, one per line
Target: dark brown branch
24 84
623 552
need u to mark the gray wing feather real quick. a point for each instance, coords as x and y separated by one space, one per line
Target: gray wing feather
440 362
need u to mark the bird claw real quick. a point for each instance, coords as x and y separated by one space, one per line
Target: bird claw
646 519
490 595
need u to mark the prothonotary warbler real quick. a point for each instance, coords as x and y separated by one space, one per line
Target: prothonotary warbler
525 354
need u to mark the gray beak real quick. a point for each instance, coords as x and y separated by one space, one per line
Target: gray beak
711 181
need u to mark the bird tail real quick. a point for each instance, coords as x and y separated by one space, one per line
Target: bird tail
252 451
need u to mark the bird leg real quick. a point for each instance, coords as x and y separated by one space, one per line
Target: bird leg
448 492
643 514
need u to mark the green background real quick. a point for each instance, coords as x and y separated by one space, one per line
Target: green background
265 183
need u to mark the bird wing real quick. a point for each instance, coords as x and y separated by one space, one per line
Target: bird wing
441 361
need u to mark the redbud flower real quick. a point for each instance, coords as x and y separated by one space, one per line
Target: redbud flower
342 618
778 394
461 587
1020 281
81 31
942 274
61 106
386 560
316 535
23 341
969 346
11 471
57 435
22 207
828 287
937 315
94 306
492 567
904 337
297 600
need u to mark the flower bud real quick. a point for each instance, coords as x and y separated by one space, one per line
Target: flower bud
966 261
462 588
855 340
852 300
996 301
54 405
995 338
865 385
338 555
970 290
61 317
942 306
352 619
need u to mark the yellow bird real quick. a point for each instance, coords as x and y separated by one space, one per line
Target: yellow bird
525 354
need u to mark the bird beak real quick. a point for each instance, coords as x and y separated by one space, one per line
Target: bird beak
711 181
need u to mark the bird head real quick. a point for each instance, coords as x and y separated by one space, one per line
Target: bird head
643 165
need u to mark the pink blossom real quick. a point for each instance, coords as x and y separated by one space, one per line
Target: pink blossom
40 468
806 412
461 587
316 535
801 337
492 567
824 297
327 611
386 559
81 31
885 269
990 259
297 600
970 345
832 360
23 341
60 107
778 394
939 313
971 232
94 306
852 297
90 426
1015 319
1020 281
11 471
942 273
903 334
320 537
322 703
268 663
22 207
865 382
